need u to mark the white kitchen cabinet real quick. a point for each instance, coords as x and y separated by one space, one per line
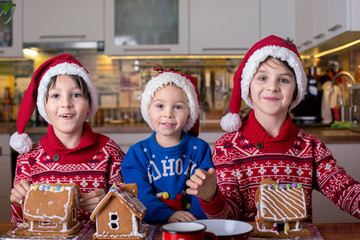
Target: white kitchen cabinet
223 28
325 211
141 27
11 33
6 178
277 17
304 25
334 17
63 21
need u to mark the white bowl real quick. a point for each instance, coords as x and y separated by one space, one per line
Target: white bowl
227 229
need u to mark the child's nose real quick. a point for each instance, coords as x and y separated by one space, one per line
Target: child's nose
272 86
169 112
66 102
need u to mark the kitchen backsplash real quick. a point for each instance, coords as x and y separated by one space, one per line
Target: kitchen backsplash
120 82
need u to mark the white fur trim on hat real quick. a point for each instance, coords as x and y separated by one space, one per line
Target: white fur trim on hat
168 78
281 53
21 143
66 69
231 122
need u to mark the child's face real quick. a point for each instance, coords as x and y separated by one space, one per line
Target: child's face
272 88
66 106
169 111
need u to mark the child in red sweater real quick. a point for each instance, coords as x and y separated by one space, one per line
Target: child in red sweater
70 152
271 80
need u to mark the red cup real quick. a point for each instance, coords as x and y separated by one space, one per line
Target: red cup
186 231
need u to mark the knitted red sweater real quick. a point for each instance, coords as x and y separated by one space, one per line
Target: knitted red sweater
243 158
93 164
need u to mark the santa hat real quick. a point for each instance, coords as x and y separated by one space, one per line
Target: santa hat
187 84
273 46
35 94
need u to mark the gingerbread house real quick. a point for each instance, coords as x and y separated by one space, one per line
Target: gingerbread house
119 215
51 209
281 209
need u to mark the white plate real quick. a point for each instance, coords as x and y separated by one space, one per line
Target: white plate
226 227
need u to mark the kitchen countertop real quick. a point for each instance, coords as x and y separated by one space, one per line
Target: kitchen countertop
325 133
328 231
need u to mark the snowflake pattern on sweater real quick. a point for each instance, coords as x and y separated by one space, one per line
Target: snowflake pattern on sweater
99 171
241 162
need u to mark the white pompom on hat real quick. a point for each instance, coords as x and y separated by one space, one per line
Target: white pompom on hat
187 84
35 94
271 46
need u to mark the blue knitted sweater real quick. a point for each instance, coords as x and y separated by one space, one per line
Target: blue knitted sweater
165 170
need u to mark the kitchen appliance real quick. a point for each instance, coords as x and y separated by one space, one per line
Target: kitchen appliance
354 98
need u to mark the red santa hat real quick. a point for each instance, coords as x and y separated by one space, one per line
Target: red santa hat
35 95
187 84
273 46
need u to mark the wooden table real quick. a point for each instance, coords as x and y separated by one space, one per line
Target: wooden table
329 231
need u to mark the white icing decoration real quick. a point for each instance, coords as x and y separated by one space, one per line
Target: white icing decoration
295 207
43 222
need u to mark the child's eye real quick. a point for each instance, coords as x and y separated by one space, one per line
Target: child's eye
54 95
283 80
178 107
262 78
77 95
159 106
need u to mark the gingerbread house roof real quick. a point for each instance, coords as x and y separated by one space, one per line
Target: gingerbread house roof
50 202
127 196
282 202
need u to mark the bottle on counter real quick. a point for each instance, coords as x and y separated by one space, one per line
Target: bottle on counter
7 105
16 102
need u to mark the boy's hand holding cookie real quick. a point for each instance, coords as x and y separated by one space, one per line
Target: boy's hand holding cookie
89 201
203 184
19 191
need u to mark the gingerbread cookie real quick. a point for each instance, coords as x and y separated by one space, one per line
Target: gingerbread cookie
281 209
50 210
119 215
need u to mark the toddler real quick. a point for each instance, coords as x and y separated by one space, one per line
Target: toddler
161 164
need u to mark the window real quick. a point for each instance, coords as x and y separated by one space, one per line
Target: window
74 214
113 220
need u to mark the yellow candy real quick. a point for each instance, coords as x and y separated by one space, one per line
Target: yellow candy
187 206
52 189
165 195
286 227
36 187
62 189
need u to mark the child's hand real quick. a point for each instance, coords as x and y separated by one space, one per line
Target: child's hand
19 191
89 201
181 216
203 184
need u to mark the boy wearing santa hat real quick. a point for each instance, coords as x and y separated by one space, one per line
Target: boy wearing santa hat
271 80
161 164
66 97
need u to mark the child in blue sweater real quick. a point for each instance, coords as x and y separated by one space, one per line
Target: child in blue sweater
161 164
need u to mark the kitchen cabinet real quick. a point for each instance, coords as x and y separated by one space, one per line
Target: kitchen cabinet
277 17
6 177
11 33
330 20
218 28
325 211
63 21
304 25
140 27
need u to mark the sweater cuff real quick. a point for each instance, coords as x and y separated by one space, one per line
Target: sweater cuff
214 207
